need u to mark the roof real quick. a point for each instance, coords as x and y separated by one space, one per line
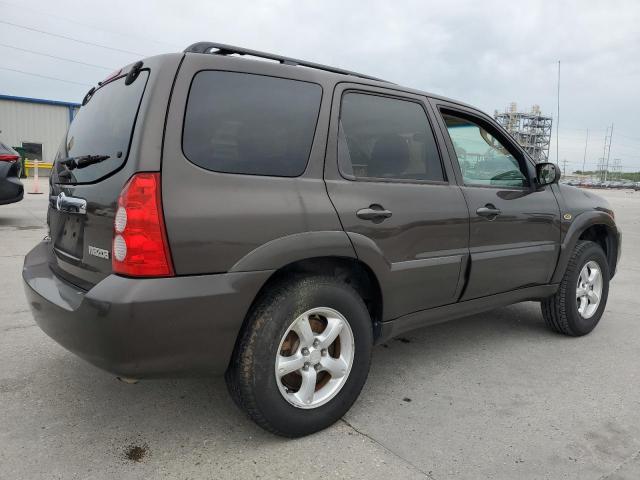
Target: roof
221 49
213 48
41 101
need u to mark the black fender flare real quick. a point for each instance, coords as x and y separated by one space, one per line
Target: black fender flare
283 251
580 224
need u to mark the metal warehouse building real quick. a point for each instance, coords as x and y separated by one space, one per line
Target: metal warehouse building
38 126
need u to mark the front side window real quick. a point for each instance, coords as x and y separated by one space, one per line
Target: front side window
483 159
382 137
250 124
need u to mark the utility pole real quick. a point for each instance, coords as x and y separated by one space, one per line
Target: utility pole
584 159
564 166
558 119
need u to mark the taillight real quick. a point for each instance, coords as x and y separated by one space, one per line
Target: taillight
8 158
140 247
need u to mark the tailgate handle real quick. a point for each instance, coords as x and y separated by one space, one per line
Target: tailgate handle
66 204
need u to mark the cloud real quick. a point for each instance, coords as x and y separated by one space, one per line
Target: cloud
485 53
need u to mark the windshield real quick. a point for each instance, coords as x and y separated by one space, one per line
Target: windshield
104 127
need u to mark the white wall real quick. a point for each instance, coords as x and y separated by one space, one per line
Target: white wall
33 122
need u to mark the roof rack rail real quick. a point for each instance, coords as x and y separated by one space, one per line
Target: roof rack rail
222 49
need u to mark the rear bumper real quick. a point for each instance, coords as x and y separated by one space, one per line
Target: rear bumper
143 327
11 189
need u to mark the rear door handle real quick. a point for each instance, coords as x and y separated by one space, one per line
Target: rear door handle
489 210
374 212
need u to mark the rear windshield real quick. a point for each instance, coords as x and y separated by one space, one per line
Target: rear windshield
250 124
102 127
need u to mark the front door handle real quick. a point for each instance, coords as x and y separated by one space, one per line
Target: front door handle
489 210
374 213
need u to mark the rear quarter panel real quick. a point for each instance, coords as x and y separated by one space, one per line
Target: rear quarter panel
215 219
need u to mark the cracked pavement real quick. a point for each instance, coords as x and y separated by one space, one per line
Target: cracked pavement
495 395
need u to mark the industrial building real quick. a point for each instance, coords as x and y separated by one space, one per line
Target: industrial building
531 130
35 126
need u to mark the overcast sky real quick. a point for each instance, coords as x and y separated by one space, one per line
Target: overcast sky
487 53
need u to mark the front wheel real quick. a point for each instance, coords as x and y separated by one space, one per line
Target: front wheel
577 306
303 355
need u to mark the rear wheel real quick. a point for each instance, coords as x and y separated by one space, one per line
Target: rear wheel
303 356
578 304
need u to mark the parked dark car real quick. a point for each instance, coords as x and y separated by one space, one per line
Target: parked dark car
272 221
11 189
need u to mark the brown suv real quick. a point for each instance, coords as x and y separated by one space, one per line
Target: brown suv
273 220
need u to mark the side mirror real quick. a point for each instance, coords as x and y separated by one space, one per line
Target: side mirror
547 173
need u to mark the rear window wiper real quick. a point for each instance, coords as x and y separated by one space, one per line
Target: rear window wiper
83 161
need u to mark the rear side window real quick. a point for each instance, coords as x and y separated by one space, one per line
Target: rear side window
250 124
382 137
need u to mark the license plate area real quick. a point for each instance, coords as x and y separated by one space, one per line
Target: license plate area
69 234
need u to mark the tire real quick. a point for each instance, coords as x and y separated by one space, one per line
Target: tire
278 404
561 311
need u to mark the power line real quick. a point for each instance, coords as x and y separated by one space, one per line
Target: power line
44 76
637 139
593 130
84 24
138 54
57 58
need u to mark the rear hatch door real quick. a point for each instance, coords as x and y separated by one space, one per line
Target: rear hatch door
87 178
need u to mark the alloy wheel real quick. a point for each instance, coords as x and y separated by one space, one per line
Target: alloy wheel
589 289
314 358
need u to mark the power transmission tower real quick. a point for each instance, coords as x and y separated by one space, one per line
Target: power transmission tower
603 166
608 152
600 169
616 169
